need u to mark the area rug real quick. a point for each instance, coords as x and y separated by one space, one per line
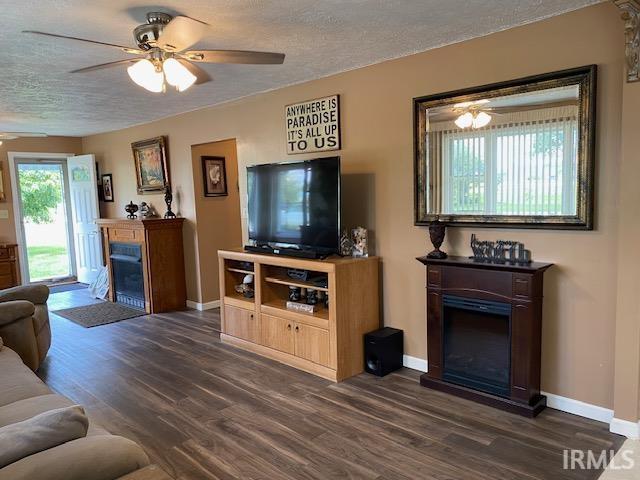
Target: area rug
99 314
67 287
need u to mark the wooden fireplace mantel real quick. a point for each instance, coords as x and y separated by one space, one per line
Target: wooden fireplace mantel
521 286
162 258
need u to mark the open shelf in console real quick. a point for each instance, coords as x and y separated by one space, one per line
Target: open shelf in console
279 306
276 295
316 280
234 273
276 288
284 280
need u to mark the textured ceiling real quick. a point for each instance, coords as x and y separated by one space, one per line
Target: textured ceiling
319 37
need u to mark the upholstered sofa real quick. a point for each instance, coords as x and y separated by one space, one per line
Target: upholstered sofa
98 456
24 322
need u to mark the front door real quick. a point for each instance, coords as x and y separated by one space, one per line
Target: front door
42 216
84 211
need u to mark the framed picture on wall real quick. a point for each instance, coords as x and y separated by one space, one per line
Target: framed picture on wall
107 187
214 175
152 165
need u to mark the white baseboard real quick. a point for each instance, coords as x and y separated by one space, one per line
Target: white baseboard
203 306
625 427
564 404
577 407
415 363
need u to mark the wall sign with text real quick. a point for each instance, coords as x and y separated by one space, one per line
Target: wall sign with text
313 126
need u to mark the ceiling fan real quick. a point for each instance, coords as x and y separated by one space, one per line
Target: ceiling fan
14 135
162 55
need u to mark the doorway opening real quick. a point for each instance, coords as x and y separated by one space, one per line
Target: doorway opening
44 226
55 206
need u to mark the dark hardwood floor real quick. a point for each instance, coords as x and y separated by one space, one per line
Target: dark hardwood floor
203 410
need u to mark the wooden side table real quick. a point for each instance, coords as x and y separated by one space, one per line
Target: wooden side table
9 268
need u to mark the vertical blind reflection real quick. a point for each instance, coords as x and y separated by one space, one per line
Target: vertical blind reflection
514 169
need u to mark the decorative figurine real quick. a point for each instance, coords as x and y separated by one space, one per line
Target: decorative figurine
246 287
147 210
360 242
500 251
144 209
294 293
168 199
437 231
131 209
312 296
346 244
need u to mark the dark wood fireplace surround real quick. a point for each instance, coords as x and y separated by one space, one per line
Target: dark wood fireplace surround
517 285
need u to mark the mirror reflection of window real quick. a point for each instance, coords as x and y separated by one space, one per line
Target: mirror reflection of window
510 155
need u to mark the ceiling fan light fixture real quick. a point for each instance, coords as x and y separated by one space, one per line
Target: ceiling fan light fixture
177 75
481 119
144 73
465 120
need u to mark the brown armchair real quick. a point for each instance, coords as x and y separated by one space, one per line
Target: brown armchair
24 322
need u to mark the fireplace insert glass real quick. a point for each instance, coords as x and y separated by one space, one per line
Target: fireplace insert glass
477 340
126 266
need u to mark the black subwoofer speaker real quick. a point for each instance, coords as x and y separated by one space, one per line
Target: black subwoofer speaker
383 351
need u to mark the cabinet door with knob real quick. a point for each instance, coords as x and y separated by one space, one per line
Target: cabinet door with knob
241 323
311 343
277 333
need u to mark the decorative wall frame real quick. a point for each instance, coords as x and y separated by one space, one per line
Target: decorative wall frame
429 206
214 176
151 164
107 187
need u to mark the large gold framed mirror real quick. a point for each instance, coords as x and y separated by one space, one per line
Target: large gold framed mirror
514 154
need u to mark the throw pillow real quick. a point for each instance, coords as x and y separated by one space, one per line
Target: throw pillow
42 432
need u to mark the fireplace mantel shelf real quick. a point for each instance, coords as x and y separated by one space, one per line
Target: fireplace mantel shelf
455 261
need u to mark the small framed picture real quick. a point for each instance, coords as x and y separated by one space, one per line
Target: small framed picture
107 187
214 175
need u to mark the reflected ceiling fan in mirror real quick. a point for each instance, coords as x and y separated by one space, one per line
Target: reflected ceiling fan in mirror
472 114
162 55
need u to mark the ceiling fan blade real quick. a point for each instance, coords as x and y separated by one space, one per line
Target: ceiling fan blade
181 33
200 74
14 135
234 56
121 47
104 65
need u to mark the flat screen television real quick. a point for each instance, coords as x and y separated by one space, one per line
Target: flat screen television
295 206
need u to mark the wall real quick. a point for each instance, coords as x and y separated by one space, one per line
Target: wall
42 145
627 351
218 224
113 153
377 154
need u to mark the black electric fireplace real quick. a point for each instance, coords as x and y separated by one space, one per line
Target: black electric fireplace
477 344
128 282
